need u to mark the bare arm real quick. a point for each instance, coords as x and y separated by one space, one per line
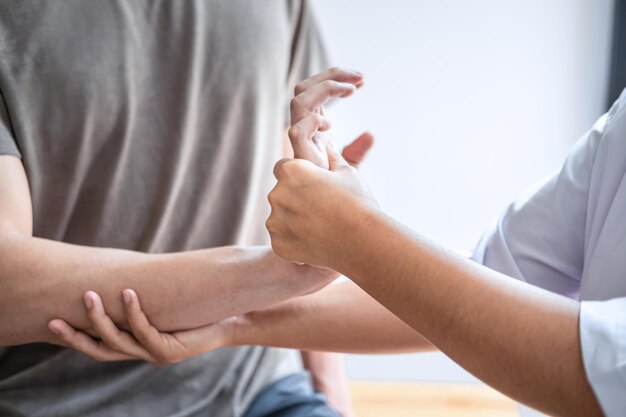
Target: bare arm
327 369
340 318
43 279
306 108
520 339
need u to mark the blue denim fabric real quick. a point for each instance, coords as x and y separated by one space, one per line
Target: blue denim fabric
292 396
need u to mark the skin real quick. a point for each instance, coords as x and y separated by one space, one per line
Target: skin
527 337
219 282
306 110
328 375
42 279
163 348
407 293
339 318
307 142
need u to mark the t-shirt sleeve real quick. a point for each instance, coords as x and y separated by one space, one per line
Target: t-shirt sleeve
7 139
308 53
540 238
603 343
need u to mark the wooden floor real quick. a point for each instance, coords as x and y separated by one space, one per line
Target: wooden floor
385 399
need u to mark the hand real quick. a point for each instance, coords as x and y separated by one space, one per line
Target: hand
309 138
309 128
146 342
104 341
313 209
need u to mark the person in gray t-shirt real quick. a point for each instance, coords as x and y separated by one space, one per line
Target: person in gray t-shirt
134 135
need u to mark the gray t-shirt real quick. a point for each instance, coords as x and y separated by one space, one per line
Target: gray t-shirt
153 126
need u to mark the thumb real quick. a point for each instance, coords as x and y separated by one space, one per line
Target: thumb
335 160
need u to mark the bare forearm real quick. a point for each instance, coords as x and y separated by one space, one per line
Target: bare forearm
339 318
520 339
43 279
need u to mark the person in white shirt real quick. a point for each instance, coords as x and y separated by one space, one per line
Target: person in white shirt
554 337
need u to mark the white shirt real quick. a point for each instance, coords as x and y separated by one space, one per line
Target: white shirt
569 236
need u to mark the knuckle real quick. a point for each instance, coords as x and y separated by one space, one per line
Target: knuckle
318 119
294 169
269 225
289 171
322 122
293 132
295 103
300 87
329 84
275 229
287 168
278 248
279 169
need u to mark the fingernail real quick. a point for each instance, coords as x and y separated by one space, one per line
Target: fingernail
126 296
55 331
346 85
88 301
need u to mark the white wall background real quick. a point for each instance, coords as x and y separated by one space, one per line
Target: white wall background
472 102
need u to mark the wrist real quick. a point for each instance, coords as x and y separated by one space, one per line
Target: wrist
239 331
270 326
300 279
233 331
359 224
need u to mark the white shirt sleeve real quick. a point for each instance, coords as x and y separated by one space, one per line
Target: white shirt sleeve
603 343
566 227
540 238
